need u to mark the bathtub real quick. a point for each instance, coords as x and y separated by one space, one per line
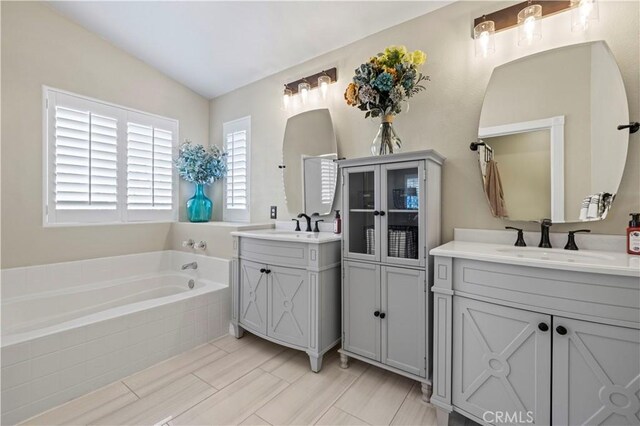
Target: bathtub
70 328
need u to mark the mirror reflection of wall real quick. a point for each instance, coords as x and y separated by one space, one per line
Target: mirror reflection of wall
524 163
310 174
575 96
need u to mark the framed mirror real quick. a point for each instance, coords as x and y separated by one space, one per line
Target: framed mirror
548 144
310 172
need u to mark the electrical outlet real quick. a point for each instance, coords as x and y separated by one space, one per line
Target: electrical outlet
274 212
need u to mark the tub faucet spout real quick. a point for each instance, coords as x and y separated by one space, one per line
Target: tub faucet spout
192 265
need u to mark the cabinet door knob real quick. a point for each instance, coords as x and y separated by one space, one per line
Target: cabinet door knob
268 271
382 315
561 330
543 326
382 213
262 270
376 212
376 314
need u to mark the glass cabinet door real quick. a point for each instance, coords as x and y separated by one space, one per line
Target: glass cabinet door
402 213
361 233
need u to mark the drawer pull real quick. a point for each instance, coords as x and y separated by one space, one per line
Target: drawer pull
382 315
543 326
561 330
376 314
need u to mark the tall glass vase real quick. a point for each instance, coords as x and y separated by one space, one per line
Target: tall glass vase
199 206
386 141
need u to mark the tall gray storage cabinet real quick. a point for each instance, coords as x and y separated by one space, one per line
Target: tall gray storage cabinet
391 219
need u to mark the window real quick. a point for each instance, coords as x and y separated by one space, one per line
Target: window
237 143
105 163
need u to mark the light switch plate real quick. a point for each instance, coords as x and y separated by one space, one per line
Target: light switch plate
274 212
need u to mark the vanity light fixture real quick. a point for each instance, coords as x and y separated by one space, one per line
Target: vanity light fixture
323 83
529 24
286 97
322 80
483 34
303 89
527 17
582 13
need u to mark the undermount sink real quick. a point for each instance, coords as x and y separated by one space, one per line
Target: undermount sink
559 255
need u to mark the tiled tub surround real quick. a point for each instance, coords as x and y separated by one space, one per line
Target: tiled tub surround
70 328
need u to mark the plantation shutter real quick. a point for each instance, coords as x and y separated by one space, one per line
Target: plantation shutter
237 136
106 164
150 181
83 160
328 176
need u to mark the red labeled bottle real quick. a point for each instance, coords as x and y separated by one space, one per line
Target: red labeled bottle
633 234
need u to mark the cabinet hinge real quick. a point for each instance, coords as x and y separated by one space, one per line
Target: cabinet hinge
46 102
425 252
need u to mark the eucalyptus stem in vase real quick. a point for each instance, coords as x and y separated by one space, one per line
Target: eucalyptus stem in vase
381 86
201 166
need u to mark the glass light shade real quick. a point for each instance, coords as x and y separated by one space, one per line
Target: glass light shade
529 24
286 98
582 13
303 89
323 83
483 34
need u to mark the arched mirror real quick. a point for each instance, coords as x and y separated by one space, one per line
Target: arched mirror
548 144
309 171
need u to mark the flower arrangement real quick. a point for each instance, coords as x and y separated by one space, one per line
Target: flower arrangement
201 165
381 85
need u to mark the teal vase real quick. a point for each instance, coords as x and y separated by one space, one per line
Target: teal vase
199 206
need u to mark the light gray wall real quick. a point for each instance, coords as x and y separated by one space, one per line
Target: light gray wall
445 117
39 46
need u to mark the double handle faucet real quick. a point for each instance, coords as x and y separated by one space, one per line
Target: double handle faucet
308 219
545 242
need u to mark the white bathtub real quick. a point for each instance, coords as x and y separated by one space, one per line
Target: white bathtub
72 327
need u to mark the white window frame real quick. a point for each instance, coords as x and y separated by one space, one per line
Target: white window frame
238 215
61 218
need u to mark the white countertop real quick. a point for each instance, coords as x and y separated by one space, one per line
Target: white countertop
592 261
291 236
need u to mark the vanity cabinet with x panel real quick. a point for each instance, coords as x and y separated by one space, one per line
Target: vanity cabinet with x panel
287 292
535 345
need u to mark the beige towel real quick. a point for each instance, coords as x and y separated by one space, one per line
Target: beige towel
493 189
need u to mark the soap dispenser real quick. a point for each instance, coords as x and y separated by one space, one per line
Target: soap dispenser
633 234
337 223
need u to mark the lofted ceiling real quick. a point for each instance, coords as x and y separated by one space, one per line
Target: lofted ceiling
216 47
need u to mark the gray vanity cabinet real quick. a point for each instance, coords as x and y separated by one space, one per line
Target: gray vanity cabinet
288 310
253 296
596 374
287 290
561 346
391 213
501 361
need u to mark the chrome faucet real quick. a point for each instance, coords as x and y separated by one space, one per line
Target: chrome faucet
192 265
545 224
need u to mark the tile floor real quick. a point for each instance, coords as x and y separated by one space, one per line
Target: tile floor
249 381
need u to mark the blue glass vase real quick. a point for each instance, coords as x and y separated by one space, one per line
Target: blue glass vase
199 206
